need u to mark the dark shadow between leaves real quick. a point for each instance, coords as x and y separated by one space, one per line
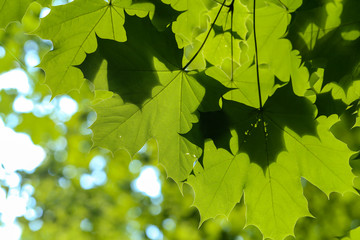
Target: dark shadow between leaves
212 123
345 130
128 67
338 51
327 105
260 133
132 83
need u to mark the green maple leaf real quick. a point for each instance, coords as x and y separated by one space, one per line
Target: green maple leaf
11 11
354 234
227 118
73 29
259 128
277 143
130 70
155 97
18 9
276 146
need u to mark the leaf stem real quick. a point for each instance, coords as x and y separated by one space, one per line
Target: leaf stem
231 9
207 36
257 56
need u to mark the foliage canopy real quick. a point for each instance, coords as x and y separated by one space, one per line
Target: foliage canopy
244 98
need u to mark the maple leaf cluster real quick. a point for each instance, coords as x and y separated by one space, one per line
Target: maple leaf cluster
244 98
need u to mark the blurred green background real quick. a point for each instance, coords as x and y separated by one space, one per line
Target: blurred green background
80 192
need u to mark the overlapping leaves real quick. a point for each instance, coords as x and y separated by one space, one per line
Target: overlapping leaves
73 33
18 9
155 97
233 111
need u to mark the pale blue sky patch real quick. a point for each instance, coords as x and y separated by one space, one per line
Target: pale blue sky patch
60 2
32 58
33 213
135 166
23 105
96 178
36 225
99 177
148 182
97 163
15 79
11 231
154 233
68 105
12 120
31 45
12 159
169 224
64 183
45 107
44 12
87 181
2 52
13 206
86 225
12 179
